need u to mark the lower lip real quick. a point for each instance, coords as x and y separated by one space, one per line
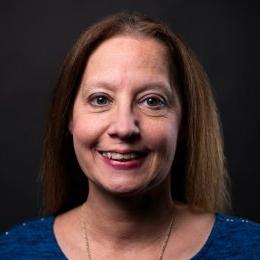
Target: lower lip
123 165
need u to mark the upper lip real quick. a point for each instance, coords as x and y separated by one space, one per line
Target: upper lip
124 151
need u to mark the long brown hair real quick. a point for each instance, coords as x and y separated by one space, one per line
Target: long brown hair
198 172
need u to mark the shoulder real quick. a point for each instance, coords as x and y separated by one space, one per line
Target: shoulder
233 237
243 230
33 238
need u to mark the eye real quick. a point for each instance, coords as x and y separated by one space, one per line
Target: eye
99 100
154 102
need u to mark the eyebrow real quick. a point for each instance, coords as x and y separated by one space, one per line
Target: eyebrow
160 85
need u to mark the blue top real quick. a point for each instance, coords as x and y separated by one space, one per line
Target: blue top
230 238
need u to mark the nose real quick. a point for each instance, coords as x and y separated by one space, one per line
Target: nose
124 124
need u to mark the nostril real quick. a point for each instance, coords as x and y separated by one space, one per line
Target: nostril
129 138
125 132
124 126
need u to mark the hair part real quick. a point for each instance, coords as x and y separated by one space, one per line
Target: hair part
198 173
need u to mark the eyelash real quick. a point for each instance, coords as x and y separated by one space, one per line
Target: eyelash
160 101
93 99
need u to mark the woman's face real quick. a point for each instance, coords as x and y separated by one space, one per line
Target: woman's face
126 116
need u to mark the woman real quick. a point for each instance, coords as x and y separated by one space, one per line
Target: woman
133 164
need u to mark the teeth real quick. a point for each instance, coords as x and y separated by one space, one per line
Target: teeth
120 156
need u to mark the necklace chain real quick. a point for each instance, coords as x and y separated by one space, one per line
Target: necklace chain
85 236
84 229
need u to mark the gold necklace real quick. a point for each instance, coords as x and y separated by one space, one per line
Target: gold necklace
85 236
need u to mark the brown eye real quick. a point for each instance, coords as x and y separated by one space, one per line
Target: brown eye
100 100
154 102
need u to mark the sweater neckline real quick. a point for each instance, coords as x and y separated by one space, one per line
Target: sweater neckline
202 251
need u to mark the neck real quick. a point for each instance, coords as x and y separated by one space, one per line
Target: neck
126 220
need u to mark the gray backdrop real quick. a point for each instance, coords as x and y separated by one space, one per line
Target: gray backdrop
35 35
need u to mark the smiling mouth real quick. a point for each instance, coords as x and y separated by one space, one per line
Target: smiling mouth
122 157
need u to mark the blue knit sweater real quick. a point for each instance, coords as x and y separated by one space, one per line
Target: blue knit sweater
230 238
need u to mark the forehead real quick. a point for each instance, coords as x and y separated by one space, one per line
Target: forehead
138 44
128 56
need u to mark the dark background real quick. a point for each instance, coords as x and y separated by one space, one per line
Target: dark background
35 35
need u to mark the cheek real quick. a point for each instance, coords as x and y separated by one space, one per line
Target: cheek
85 131
162 136
162 140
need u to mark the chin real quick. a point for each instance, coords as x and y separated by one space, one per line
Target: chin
127 190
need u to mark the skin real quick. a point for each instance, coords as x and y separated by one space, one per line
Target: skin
125 73
127 102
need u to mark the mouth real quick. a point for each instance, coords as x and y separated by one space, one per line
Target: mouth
124 160
123 156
